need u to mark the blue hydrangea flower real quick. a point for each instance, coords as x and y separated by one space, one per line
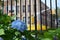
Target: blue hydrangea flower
1 38
19 25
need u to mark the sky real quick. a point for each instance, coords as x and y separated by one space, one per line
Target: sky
53 3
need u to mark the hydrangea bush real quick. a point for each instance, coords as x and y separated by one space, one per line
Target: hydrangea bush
17 30
11 29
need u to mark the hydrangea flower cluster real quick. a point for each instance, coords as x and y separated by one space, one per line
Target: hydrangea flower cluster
19 25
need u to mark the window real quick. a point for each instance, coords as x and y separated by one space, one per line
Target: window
18 17
42 8
29 8
17 9
38 16
24 19
23 8
9 8
28 20
3 0
13 9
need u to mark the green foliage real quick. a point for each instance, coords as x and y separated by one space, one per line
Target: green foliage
4 18
2 32
46 39
49 35
7 33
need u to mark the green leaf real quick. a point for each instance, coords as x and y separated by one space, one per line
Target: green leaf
13 17
17 33
16 38
46 39
2 32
